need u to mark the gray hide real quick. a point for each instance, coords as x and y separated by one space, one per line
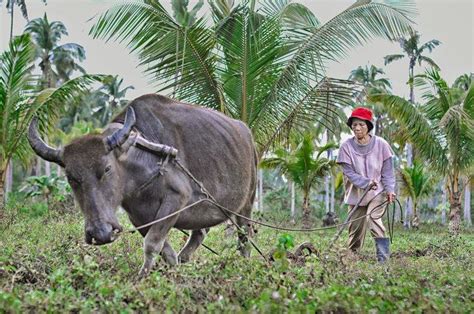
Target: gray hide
217 150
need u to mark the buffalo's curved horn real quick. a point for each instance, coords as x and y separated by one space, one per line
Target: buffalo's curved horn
41 148
121 135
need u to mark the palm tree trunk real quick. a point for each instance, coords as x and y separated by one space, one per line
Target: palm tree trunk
409 151
443 204
2 190
306 210
454 205
47 164
408 213
467 204
8 180
326 194
47 168
455 213
333 199
37 167
12 3
293 201
398 214
412 100
260 190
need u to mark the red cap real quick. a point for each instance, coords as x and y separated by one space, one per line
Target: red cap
362 113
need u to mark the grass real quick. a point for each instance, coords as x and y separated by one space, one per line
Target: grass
45 266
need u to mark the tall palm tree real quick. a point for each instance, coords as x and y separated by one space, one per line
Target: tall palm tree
20 101
112 96
262 62
415 53
57 62
417 183
10 5
368 78
442 130
463 82
304 166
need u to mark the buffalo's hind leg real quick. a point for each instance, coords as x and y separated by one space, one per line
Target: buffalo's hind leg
194 241
245 232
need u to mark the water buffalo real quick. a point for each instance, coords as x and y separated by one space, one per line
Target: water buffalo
128 165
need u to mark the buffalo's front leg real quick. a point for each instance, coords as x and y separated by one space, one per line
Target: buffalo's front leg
155 239
246 232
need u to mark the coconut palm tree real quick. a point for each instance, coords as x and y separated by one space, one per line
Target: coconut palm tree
305 166
415 53
417 183
97 106
463 82
20 101
57 62
10 5
368 78
442 130
262 62
112 96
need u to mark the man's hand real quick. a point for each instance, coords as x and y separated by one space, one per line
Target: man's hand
391 197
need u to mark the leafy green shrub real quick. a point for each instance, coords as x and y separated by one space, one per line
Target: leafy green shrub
54 190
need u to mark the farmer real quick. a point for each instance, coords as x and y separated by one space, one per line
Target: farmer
366 162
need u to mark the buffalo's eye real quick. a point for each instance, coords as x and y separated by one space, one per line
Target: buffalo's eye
108 169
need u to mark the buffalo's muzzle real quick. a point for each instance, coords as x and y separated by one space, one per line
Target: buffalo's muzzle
102 235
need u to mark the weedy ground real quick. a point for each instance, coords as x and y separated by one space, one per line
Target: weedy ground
45 266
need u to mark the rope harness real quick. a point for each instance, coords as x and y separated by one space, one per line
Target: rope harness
228 212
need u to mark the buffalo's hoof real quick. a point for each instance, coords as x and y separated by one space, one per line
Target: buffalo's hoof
142 274
182 259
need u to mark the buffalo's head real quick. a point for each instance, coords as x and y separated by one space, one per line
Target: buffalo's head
93 168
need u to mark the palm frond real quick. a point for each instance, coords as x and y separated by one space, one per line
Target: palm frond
331 42
17 84
390 58
428 60
328 146
179 58
320 106
430 45
427 138
407 187
298 22
49 103
464 81
248 69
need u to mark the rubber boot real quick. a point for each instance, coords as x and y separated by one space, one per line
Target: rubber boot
383 249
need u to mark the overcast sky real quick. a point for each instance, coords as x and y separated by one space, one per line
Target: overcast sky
450 21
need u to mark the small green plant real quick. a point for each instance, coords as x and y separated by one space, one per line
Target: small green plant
37 209
285 242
